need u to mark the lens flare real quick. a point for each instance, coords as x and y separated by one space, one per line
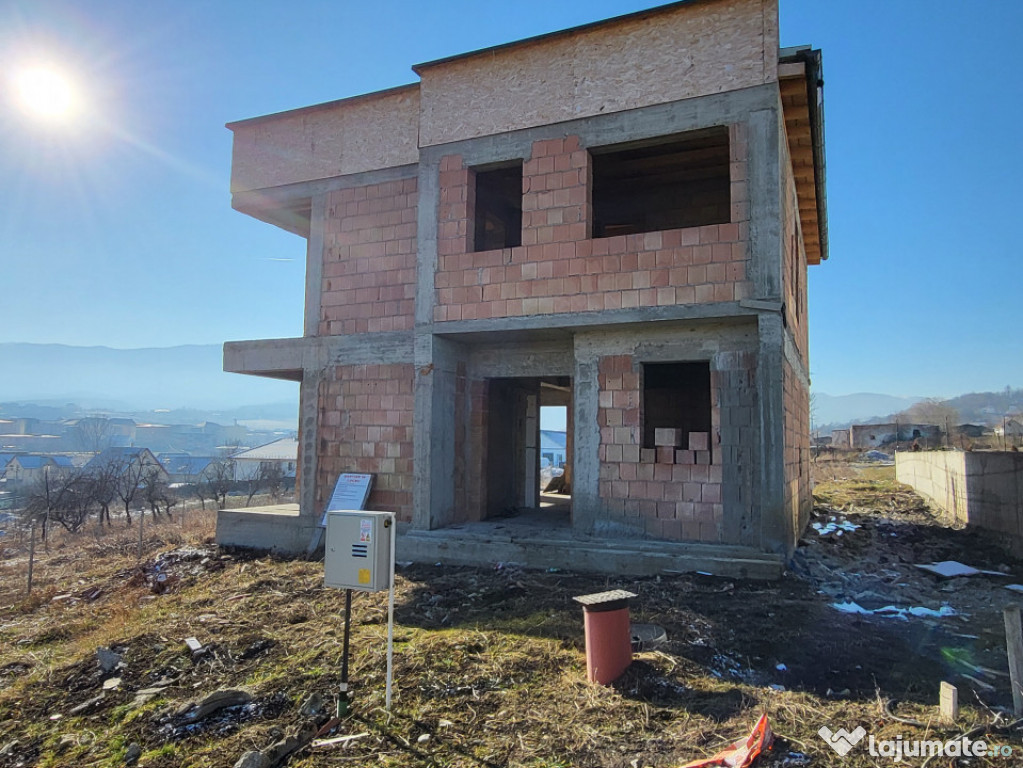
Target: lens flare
45 93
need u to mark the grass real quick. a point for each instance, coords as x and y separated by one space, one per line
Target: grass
489 665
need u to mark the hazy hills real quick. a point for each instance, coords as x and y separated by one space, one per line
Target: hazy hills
173 378
862 406
186 378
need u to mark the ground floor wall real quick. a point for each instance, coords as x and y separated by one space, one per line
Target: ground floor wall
365 426
688 433
983 488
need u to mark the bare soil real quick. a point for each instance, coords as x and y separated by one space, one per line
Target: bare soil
489 662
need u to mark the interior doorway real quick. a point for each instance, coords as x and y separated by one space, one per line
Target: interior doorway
529 450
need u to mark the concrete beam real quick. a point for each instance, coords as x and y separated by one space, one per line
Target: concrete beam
277 357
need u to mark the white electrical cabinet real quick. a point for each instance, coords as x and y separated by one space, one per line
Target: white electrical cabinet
358 550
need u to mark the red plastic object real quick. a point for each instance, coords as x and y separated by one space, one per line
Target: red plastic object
608 635
743 752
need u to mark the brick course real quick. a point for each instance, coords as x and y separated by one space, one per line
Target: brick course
558 268
365 425
649 487
369 259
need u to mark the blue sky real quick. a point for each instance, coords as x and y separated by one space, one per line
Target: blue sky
117 230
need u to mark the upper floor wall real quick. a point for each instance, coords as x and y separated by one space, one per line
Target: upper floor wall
678 51
674 52
378 130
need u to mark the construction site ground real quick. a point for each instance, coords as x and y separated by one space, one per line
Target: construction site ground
489 662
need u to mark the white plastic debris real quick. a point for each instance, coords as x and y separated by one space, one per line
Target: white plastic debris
836 527
952 568
892 612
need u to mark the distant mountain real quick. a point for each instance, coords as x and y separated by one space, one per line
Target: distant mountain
172 378
844 409
987 407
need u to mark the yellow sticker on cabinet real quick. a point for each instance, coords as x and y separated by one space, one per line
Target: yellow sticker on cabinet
364 575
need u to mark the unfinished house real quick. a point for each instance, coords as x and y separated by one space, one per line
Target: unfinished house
614 219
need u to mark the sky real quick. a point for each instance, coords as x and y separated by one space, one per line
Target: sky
116 227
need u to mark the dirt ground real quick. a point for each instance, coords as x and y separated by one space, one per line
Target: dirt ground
489 662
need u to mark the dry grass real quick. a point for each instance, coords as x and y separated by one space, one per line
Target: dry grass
490 669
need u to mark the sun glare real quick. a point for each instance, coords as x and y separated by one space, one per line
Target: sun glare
45 93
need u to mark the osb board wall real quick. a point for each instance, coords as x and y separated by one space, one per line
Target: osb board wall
692 50
351 136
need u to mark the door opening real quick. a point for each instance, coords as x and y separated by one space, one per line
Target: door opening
529 450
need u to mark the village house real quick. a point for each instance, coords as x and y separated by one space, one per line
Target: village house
617 218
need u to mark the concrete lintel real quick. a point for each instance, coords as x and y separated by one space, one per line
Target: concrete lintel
616 128
762 306
512 360
671 341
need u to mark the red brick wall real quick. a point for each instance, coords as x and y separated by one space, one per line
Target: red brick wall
365 425
798 499
673 501
369 259
558 269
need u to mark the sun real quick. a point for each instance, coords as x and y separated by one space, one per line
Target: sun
45 93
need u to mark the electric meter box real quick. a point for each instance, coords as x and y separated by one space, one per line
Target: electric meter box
358 550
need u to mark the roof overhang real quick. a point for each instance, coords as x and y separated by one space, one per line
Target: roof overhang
801 82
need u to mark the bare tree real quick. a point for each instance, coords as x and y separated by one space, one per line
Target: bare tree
46 496
76 504
93 433
131 474
272 476
156 492
269 477
219 479
934 412
103 479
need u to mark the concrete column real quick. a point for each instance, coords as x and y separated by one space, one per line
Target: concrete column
586 504
309 406
314 264
765 193
775 520
426 237
434 432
